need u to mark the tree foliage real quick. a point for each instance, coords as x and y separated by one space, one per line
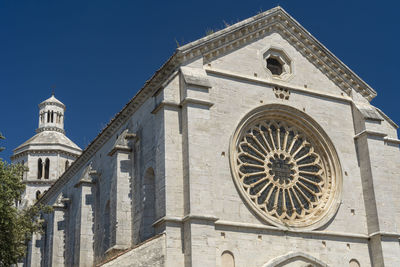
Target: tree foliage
16 225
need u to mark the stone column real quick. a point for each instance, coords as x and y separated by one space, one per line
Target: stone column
43 169
121 195
84 230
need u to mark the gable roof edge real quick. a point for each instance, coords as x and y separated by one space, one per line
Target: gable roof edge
278 19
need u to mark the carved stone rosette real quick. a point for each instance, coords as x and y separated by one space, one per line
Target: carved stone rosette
286 168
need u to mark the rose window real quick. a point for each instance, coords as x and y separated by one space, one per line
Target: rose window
285 170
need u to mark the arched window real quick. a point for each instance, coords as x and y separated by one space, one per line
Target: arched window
46 169
40 169
52 116
38 195
149 207
227 259
66 165
48 116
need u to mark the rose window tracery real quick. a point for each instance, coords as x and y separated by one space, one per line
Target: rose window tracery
286 172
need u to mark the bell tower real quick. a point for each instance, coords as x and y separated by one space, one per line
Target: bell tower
51 115
48 153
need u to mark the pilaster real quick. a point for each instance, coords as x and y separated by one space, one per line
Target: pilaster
199 239
121 196
59 226
84 228
379 161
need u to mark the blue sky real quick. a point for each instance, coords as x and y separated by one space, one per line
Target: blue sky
97 54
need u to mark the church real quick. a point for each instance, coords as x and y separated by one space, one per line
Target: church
251 147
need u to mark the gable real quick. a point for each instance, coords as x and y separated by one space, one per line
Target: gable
250 61
277 20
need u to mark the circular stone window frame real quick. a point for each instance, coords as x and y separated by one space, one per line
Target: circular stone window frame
313 131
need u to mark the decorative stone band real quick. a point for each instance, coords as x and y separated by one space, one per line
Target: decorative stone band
286 168
221 224
52 104
31 150
56 129
43 182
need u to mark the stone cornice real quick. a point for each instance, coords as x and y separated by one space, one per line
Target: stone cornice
43 151
39 181
165 104
277 20
189 100
52 103
369 133
282 84
48 128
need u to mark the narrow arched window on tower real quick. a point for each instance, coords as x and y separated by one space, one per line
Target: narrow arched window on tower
40 169
46 169
66 165
52 116
48 116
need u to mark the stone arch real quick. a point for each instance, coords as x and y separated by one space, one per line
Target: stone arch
295 259
149 204
227 259
354 263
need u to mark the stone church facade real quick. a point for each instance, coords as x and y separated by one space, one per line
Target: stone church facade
253 146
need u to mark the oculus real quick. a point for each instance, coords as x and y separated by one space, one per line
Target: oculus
286 167
277 63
